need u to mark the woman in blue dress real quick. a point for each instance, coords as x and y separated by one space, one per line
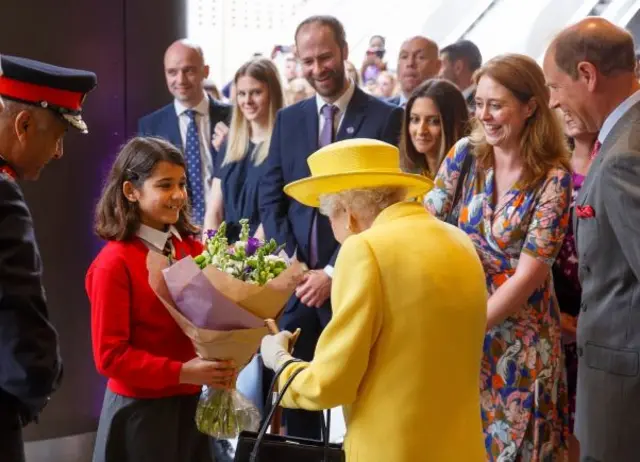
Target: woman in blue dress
234 189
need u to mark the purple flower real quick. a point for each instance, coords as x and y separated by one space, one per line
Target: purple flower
211 233
252 245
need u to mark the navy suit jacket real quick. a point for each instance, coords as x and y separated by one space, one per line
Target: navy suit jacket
164 123
294 139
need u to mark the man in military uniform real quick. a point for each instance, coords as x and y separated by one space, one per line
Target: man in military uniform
38 102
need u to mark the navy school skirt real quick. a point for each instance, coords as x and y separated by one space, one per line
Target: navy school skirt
150 430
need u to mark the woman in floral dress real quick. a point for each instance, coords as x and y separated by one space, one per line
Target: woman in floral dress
515 207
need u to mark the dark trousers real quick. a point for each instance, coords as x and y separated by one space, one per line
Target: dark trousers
311 321
11 445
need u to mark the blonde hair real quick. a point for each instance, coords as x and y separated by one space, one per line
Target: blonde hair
263 70
542 144
392 78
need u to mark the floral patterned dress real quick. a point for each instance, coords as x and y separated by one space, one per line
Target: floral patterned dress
523 389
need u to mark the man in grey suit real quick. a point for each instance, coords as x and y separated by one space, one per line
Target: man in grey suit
589 69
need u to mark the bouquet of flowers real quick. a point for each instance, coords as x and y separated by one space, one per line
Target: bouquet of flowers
248 260
221 300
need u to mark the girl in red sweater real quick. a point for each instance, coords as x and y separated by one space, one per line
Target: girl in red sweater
154 376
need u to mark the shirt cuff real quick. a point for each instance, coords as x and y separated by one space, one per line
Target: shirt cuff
329 271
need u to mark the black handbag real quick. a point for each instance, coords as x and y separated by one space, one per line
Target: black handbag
263 447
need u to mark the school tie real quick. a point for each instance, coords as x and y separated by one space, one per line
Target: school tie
167 251
320 224
596 149
194 169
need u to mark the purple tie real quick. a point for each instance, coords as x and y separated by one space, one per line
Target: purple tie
326 137
329 114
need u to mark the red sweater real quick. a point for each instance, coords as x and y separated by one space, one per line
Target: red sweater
136 342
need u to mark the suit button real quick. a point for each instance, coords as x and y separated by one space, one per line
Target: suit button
586 269
583 306
580 351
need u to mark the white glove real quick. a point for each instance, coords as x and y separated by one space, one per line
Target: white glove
275 349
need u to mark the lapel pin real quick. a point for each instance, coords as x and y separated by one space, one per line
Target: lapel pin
350 130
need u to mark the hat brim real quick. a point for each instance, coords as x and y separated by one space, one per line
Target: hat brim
76 122
307 191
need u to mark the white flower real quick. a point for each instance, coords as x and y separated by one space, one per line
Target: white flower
274 258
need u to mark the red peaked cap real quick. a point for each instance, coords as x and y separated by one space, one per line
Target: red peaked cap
60 89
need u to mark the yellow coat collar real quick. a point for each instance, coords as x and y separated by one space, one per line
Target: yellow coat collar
399 210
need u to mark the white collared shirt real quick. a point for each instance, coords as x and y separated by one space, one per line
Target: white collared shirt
402 102
155 239
203 123
341 103
616 115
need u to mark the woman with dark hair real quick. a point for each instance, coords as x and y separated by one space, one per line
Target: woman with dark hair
436 116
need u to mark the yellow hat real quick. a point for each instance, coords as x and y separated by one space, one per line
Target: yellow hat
355 164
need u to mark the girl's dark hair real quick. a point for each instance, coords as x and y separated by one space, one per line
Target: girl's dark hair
118 219
454 117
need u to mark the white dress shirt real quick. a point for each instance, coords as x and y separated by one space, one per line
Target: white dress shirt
156 239
402 102
203 122
616 115
341 103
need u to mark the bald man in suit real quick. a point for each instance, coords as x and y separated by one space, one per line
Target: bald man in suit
418 61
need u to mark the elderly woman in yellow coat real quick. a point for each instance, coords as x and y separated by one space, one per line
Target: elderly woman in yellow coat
402 352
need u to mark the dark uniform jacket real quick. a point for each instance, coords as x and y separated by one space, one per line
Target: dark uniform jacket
30 365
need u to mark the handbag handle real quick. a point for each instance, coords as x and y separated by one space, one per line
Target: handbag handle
326 427
273 330
263 430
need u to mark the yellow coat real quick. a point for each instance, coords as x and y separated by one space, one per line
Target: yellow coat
403 350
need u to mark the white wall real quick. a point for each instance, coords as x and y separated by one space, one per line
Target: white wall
230 31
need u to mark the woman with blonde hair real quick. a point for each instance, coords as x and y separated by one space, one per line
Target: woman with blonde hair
234 190
386 85
512 198
386 355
